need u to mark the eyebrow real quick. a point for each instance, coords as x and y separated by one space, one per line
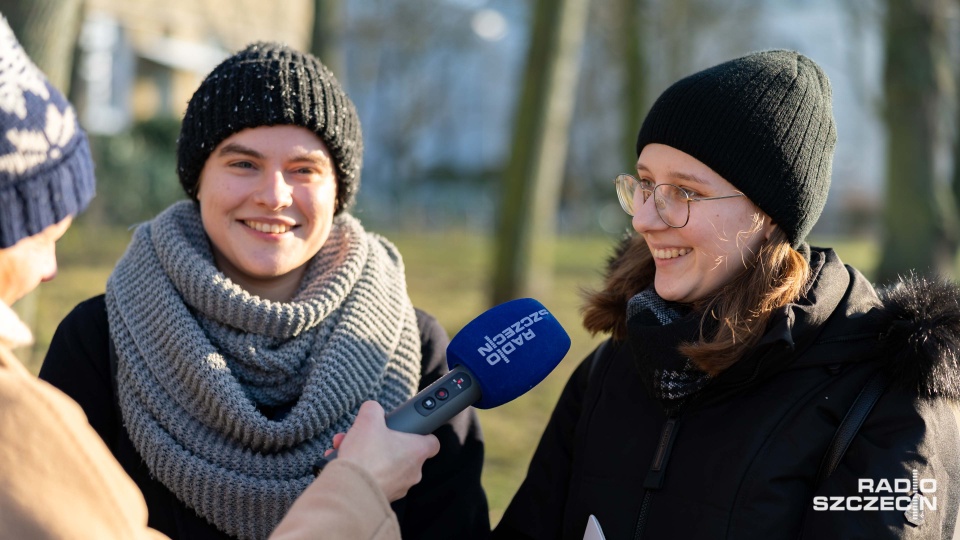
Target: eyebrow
234 148
678 175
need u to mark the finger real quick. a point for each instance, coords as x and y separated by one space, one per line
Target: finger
372 410
432 446
338 440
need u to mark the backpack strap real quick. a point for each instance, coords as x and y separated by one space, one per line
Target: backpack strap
597 355
851 424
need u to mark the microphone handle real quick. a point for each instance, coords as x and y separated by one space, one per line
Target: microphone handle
437 403
432 407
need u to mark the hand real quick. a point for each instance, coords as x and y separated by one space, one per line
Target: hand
393 458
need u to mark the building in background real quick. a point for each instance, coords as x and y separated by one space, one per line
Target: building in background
142 58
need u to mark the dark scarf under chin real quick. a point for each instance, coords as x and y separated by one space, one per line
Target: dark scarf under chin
656 328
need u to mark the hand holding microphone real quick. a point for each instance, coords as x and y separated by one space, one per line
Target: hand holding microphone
395 471
375 463
495 358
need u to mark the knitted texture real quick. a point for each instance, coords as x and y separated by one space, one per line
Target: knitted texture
670 377
764 122
198 356
46 172
270 84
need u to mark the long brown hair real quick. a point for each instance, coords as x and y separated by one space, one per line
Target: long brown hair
742 308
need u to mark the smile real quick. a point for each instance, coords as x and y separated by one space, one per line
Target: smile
670 253
272 228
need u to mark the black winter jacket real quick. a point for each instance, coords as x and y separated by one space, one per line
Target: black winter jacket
741 458
448 503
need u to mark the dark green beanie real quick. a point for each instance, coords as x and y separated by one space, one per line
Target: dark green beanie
764 122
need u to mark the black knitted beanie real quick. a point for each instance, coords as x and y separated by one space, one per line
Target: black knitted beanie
764 122
270 84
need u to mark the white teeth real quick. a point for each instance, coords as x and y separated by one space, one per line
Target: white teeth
670 253
272 228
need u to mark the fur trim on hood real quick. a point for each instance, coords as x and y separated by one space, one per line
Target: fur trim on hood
922 317
628 272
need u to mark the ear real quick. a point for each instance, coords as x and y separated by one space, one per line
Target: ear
768 229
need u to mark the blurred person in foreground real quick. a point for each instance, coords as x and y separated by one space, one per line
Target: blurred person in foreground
57 479
737 349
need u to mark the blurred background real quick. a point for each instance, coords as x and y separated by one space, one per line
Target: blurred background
493 130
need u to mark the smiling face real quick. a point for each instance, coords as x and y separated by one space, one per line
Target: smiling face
720 239
267 199
30 261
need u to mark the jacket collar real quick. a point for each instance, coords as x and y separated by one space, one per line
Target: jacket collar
792 330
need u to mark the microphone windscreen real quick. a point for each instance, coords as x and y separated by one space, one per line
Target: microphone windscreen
509 348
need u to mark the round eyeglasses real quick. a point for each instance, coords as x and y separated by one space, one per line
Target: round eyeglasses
672 202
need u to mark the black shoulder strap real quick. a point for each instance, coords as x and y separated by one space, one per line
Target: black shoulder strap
851 424
597 355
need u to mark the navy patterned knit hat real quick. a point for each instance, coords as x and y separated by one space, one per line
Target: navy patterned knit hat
270 84
46 172
764 122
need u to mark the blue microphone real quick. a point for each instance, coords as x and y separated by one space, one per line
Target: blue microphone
494 359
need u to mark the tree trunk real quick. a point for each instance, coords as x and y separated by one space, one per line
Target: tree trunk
47 30
532 180
634 88
326 43
916 214
954 192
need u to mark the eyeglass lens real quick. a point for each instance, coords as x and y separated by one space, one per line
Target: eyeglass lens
671 202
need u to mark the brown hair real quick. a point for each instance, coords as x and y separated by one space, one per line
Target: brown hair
742 307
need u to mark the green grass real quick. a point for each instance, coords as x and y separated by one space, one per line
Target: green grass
447 275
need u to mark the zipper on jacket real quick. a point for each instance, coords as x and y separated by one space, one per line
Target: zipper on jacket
654 480
642 520
658 467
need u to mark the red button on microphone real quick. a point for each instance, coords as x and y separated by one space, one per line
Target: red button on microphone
442 394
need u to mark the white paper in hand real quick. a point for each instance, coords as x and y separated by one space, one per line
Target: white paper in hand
593 532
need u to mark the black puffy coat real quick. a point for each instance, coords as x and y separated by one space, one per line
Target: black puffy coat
741 458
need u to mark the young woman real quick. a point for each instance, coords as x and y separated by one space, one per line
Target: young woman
737 350
243 328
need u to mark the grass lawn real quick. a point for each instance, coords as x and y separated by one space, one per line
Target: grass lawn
447 276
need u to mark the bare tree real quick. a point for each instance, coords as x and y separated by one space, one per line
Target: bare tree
953 195
532 180
326 43
634 62
917 227
48 31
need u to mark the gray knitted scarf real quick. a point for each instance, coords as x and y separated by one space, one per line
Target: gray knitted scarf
199 358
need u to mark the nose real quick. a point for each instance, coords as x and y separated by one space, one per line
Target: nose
275 192
51 274
645 216
49 265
